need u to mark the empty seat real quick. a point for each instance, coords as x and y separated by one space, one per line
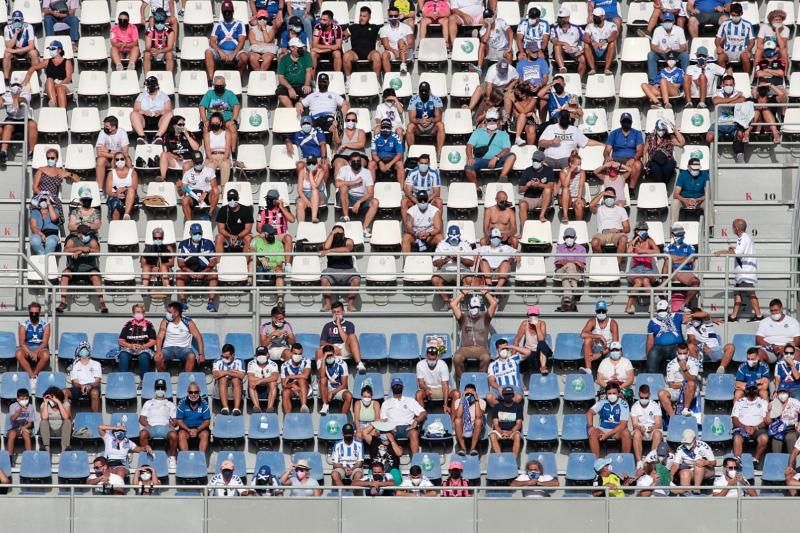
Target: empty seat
306 269
622 463
578 387
120 386
603 270
630 86
462 196
404 347
52 120
695 121
73 466
435 438
11 382
634 49
242 343
264 428
373 347
501 466
465 50
191 466
85 426
330 427
124 83
542 429
655 381
386 233
633 346
717 428
653 196
594 121
774 467
479 379
122 233
232 269
35 466
573 428
543 388
720 387
569 347
600 86
228 427
580 468
105 346
535 232
418 269
45 380
298 427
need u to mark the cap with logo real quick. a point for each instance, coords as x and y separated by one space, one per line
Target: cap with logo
454 231
601 463
564 12
195 228
601 305
160 384
599 12
421 195
475 301
306 120
386 124
396 381
625 117
668 17
701 51
294 42
538 155
226 6
492 113
233 194
662 305
495 233
677 230
570 232
227 465
84 193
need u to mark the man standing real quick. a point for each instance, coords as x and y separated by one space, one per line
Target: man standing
474 328
744 270
664 334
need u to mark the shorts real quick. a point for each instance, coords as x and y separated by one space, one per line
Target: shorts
495 432
532 203
159 432
194 203
280 90
270 48
339 397
748 289
608 238
230 248
422 130
708 18
749 438
323 195
450 276
218 57
343 474
344 352
340 276
324 122
559 163
76 394
724 130
600 53
176 353
117 204
715 354
352 199
151 123
401 431
113 463
483 163
276 352
409 55
674 394
436 393
33 346
734 56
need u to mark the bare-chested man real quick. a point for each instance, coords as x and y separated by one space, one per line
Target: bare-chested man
502 216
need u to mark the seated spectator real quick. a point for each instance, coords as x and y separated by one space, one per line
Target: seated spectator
572 179
390 109
121 188
219 145
16 116
494 260
310 141
425 179
682 379
667 39
643 271
159 40
312 180
682 263
20 41
226 483
532 334
750 422
455 484
298 28
270 259
533 29
365 412
33 335
567 39
453 262
273 9
84 378
145 479
377 481
347 458
704 341
363 42
787 370
299 475
726 126
226 44
664 335
124 42
612 223
433 380
262 376
118 448
774 30
341 334
234 225
536 185
613 414
387 152
524 114
352 140
276 335
496 38
700 77
422 225
614 175
703 12
425 116
775 332
295 73
690 189
82 263
323 106
658 464
507 418
601 41
174 340
570 265
408 12
158 421
263 48
532 68
356 186
735 40
504 372
136 341
666 85
561 139
415 484
489 149
219 99
58 72
474 327
21 417
553 99
397 40
58 16
55 416
598 333
659 157
341 268
752 373
745 268
277 214
784 414
497 90
617 368
646 423
534 476
152 110
604 477
228 374
468 411
111 140
167 6
264 478
197 266
193 418
179 145
405 414
768 90
156 262
732 477
437 12
102 477
625 145
295 380
334 383
326 43
660 7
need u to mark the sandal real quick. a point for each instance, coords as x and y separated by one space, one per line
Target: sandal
103 307
61 307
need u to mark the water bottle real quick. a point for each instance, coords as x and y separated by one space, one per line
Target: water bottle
191 378
124 420
716 427
578 385
427 464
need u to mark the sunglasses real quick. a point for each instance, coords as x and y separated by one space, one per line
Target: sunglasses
194 393
181 124
491 120
122 159
121 21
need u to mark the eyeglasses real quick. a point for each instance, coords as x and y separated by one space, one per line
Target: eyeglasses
194 393
181 124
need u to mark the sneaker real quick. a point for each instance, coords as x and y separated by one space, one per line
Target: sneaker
158 140
667 106
701 105
689 105
738 158
639 464
118 67
367 233
212 306
462 453
126 217
474 453
224 411
361 368
140 140
756 318
140 162
686 412
304 409
403 69
520 141
324 409
236 412
720 370
585 370
3 157
344 219
173 463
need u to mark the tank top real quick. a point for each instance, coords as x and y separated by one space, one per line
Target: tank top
54 418
349 136
531 338
34 333
117 181
344 262
178 334
367 414
604 331
217 141
56 72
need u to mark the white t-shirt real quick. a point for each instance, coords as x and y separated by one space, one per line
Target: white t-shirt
199 181
158 412
600 33
498 39
781 332
493 77
117 450
219 488
256 370
674 374
765 31
401 412
85 374
711 71
495 261
673 40
151 105
705 335
646 415
745 263
445 249
788 412
610 217
614 372
114 142
750 413
384 111
424 483
322 103
652 457
701 451
113 481
347 175
571 139
722 483
394 34
422 220
534 493
433 378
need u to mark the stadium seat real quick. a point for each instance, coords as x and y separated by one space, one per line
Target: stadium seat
310 343
433 439
123 115
158 461
120 386
124 83
600 87
94 13
581 231
630 87
191 466
603 270
542 430
653 115
653 196
437 81
457 122
389 194
47 266
639 14
501 466
122 233
719 387
330 428
242 344
45 380
695 121
569 347
198 13
191 86
409 379
73 467
92 84
404 347
52 120
166 81
462 196
205 225
275 460
531 271
68 343
92 49
80 157
694 151
677 424
8 345
253 158
84 120
535 233
373 347
655 230
105 346
386 233
632 111
741 343
184 378
364 85
305 269
11 382
238 460
149 384
129 420
85 427
717 428
773 469
634 49
432 50
233 80
166 191
463 84
465 50
633 346
192 116
580 468
228 428
314 460
381 269
260 84
39 160
264 429
579 387
622 463
373 379
543 388
479 379
594 121
508 337
656 382
35 467
297 427
493 188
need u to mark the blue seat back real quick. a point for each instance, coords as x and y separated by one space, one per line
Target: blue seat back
275 460
45 380
677 425
374 380
11 382
73 465
120 386
330 427
89 421
542 428
774 467
239 463
509 337
711 434
68 343
543 387
574 428
569 347
741 342
191 465
472 467
310 343
404 347
479 379
298 426
501 466
242 343
438 339
105 346
35 465
8 344
548 460
580 466
633 345
158 461
314 459
212 349
5 462
228 427
373 346
264 426
445 420
409 380
719 387
184 378
149 384
430 463
656 382
129 420
579 387
623 463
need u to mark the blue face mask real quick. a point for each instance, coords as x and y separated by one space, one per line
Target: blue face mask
168 316
306 128
158 242
678 238
84 354
495 241
119 435
386 133
423 167
643 235
453 241
86 239
197 237
199 168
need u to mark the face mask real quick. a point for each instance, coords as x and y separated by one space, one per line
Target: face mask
533 22
453 241
558 88
533 320
491 126
731 472
661 133
601 316
261 359
455 474
612 398
123 23
219 89
667 26
160 26
161 393
473 311
347 438
752 396
423 206
119 164
615 355
86 239
609 202
199 168
643 235
503 205
216 126
145 476
366 402
776 316
270 238
227 16
311 168
508 398
86 202
569 241
350 124
107 130
34 317
678 239
536 165
330 360
504 353
432 364
297 29
682 356
386 133
495 241
752 364
394 21
197 237
377 477
277 325
783 396
323 86
23 402
597 20
296 358
355 165
138 316
423 167
233 204
727 89
644 402
397 389
119 435
227 475
736 20
158 242
696 323
152 89
662 314
98 472
416 481
694 173
51 403
671 63
18 25
626 125
51 162
777 24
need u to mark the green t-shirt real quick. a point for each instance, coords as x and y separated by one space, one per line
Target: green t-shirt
265 249
294 72
220 104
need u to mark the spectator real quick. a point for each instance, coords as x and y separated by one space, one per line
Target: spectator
643 270
33 335
137 340
228 374
341 334
102 476
405 414
159 40
58 16
604 477
704 341
682 379
347 458
158 421
310 142
433 380
524 113
553 99
532 67
744 270
783 419
559 141
701 76
422 225
312 180
597 335
500 217
613 415
787 370
298 28
489 148
262 375
726 125
121 188
84 214
234 225
504 372
323 107
419 483
659 160
365 412
156 260
20 41
363 42
752 373
193 418
111 140
58 72
21 417
390 109
295 380
497 90
455 484
683 259
118 448
219 99
273 10
766 93
690 189
295 71
437 12
277 335
732 477
352 140
453 262
270 259
219 145
84 378
278 215
226 483
198 266
534 476
474 328
334 382
264 478
423 178
614 175
124 42
226 45
341 269
263 48
377 481
601 40
468 420
664 334
152 110
567 41
570 263
532 29
703 12
355 185
661 461
750 422
397 41
616 368
572 179
387 153
646 423
666 85
675 7
55 418
735 39
494 260
612 223
425 116
774 30
666 38
507 418
532 334
536 184
496 38
146 480
156 6
327 41
179 145
16 116
625 145
174 341
776 331
83 248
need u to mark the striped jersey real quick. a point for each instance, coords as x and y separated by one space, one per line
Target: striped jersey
735 37
506 372
347 454
424 182
336 373
531 32
288 368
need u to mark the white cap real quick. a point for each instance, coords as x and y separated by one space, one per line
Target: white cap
492 113
475 301
599 12
294 41
662 305
769 44
688 436
564 12
615 345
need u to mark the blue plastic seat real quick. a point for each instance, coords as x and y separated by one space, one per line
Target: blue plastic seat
410 385
498 494
479 379
158 461
239 462
149 384
330 427
105 346
580 467
741 343
656 382
720 387
373 347
184 378
5 462
711 436
129 420
573 428
509 337
542 429
121 386
35 466
623 463
472 466
212 349
633 345
677 424
68 343
275 460
569 347
45 380
404 347
242 343
298 426
772 472
501 466
374 380
11 382
310 343
437 339
430 463
579 388
191 465
314 460
264 428
446 421
8 345
90 421
72 466
228 427
543 388
548 460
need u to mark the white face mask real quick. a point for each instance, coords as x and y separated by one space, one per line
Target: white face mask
350 125
667 26
731 472
662 314
777 24
366 401
504 354
751 363
615 355
644 402
120 164
783 396
612 398
261 359
330 360
601 316
736 20
23 402
473 311
536 165
533 320
609 202
776 316
569 241
145 476
728 89
306 128
491 126
671 63
232 204
297 357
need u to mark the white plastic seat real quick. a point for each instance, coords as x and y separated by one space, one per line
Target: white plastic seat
244 189
94 13
635 49
122 233
795 53
787 7
462 196
524 155
655 230
192 83
52 120
639 14
508 11
167 191
791 120
191 115
750 12
68 53
389 194
418 268
285 120
74 196
581 231
535 229
463 84
92 49
166 80
254 120
280 160
39 152
240 12
336 81
694 121
84 120
454 158
386 233
364 85
591 157
46 264
652 196
653 116
198 13
133 7
692 229
438 83
194 48
708 42
205 225
465 50
3 15
80 157
377 12
123 115
92 83
603 269
701 152
354 230
572 83
119 268
433 50
493 188
741 82
124 83
253 156
311 233
594 121
31 10
306 269
166 226
232 268
280 186
457 121
793 90
401 83
600 86
339 10
617 115
262 83
363 119
418 149
579 12
467 228
233 80
381 269
531 269
630 86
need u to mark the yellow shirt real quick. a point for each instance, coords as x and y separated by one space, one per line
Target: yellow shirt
613 479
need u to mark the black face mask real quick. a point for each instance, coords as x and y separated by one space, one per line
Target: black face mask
508 398
227 16
355 165
219 89
152 89
503 205
596 20
270 238
425 94
34 317
455 474
377 477
323 86
107 131
227 475
216 126
563 122
558 88
626 125
763 91
270 203
86 202
348 439
397 389
338 240
123 23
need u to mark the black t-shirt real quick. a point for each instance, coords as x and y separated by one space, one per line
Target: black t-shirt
136 333
507 415
773 63
544 176
383 453
363 38
177 144
235 221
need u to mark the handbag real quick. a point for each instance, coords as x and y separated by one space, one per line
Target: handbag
60 6
480 151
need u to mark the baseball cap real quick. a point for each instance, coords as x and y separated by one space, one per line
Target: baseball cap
533 310
455 465
262 350
532 46
160 384
396 381
84 192
475 301
17 15
663 449
492 113
488 13
662 305
262 13
306 120
677 230
615 345
701 51
195 228
502 65
295 42
694 162
661 125
688 436
348 429
601 305
538 155
624 117
386 123
197 157
454 231
422 195
83 229
159 15
769 44
233 194
227 5
273 193
227 465
323 76
56 44
668 17
495 232
263 473
507 390
151 80
599 12
570 232
601 463
564 12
